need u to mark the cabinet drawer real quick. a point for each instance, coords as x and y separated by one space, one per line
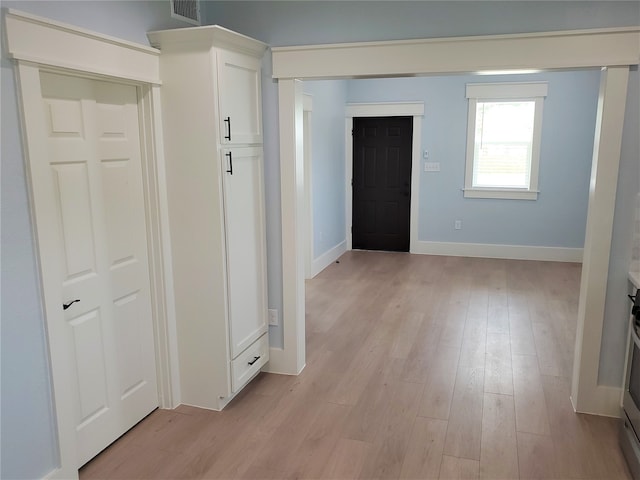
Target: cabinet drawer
249 363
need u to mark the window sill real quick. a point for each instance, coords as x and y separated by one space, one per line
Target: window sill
501 193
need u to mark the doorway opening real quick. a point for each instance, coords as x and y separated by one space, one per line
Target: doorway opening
381 183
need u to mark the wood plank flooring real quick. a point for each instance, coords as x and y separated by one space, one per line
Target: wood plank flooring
418 367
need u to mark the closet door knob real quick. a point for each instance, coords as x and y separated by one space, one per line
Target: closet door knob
67 305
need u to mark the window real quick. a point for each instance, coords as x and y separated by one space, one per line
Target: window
503 140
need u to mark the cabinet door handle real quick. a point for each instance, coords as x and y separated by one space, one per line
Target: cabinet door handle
228 154
228 122
255 359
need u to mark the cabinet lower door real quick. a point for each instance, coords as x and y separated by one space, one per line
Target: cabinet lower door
245 243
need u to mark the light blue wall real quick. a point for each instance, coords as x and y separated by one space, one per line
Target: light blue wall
27 441
272 198
328 170
28 444
558 217
298 23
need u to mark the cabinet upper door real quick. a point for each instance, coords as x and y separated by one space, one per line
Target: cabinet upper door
245 237
239 98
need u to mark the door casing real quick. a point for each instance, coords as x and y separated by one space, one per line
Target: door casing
612 49
402 109
41 45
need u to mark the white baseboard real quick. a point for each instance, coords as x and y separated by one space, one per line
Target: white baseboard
512 252
603 400
327 258
279 363
62 473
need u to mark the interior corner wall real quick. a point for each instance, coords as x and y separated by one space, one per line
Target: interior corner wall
327 157
273 211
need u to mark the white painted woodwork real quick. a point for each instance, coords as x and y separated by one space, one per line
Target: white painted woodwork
98 244
216 219
46 42
327 258
245 233
488 250
239 94
291 358
550 50
386 109
249 362
53 46
612 100
307 132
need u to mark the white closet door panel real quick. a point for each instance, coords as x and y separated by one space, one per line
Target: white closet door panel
94 173
239 98
244 226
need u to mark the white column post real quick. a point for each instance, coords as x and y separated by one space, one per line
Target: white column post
291 359
587 396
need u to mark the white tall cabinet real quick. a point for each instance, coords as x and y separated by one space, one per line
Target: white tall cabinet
212 127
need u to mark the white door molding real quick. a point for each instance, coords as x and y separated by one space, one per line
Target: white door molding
307 104
37 44
618 47
483 53
385 109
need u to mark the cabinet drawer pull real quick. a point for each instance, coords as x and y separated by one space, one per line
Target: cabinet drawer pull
255 359
230 171
228 122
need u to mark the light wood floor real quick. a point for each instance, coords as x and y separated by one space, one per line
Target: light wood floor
417 367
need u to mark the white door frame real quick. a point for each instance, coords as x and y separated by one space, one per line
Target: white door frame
38 44
385 109
613 49
308 183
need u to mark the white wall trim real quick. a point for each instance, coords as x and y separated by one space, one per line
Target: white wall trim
159 246
547 50
328 257
586 394
291 358
512 252
38 44
45 42
279 363
307 109
385 109
606 401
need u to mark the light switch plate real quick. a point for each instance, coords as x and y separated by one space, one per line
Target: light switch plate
431 166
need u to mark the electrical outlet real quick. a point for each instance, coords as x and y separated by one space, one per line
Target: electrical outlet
273 317
458 225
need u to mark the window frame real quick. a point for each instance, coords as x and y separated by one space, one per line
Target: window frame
504 92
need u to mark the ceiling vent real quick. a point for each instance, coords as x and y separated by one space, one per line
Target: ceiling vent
186 10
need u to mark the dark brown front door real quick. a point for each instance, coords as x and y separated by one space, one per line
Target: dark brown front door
382 183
